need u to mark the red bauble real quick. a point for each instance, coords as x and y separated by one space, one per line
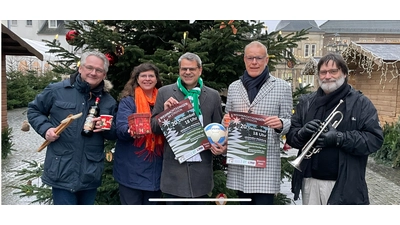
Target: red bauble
70 36
112 58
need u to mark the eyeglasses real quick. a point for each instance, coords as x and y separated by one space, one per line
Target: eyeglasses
149 76
191 69
91 68
332 72
257 58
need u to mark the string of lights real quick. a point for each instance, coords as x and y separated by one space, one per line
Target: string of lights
370 62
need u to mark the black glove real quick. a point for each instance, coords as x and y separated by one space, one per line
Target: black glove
330 138
309 129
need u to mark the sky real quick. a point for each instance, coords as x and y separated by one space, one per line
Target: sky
271 24
201 10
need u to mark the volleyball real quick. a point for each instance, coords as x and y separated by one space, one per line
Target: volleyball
216 133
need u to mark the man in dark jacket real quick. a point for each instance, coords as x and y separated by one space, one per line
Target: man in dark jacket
74 163
336 173
194 177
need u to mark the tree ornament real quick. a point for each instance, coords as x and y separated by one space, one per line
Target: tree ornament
25 126
286 147
119 50
112 58
109 156
222 26
234 30
290 64
221 199
70 36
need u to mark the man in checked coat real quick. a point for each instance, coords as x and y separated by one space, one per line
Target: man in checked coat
258 92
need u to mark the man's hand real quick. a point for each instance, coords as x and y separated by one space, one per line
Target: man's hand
330 138
309 129
51 134
218 149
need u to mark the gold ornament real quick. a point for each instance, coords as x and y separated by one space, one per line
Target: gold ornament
109 156
119 50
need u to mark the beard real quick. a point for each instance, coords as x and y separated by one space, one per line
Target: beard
331 85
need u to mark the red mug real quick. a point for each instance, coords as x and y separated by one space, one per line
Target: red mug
106 121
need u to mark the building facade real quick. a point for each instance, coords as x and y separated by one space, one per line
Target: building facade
331 36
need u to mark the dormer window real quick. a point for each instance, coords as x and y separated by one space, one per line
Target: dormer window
52 23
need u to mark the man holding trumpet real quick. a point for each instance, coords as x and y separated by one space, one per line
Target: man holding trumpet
335 128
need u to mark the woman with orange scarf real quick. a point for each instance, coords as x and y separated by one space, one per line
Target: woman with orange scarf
138 157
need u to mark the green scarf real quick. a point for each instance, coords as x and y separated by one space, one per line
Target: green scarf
193 95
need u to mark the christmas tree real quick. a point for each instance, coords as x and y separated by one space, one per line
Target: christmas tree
127 43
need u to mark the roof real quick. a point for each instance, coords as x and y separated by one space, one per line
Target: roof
361 26
387 52
374 57
297 25
45 30
12 44
43 49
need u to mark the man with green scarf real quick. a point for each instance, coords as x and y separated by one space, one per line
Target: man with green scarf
193 178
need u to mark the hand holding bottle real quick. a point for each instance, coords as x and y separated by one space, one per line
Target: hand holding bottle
91 119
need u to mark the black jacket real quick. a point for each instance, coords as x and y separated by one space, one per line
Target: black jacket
363 136
73 162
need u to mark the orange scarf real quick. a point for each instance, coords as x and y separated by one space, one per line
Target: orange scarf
154 143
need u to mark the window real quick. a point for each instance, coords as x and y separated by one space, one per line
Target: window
52 23
308 79
313 50
309 50
29 22
14 23
306 50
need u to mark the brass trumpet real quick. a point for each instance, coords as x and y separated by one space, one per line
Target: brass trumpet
308 150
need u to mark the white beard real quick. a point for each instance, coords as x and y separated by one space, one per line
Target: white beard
329 87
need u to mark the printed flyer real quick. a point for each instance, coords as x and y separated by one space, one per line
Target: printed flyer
247 140
183 131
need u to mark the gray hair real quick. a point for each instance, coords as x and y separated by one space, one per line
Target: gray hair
98 55
257 43
191 57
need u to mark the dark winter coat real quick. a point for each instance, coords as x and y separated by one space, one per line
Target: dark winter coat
73 162
189 179
363 136
131 169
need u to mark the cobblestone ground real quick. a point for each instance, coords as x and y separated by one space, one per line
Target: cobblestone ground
383 182
26 144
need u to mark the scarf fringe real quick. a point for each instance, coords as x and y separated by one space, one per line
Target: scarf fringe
150 155
150 151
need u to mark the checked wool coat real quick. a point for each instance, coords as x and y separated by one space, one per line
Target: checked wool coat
273 99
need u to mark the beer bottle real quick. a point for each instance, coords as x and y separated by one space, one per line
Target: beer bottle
88 126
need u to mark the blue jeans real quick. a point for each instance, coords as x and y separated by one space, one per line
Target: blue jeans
66 197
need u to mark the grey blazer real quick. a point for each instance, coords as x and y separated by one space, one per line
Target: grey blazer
189 179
